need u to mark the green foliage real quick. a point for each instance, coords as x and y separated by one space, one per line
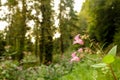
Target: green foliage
106 68
107 61
84 70
12 70
67 23
117 23
109 58
12 3
81 71
102 17
100 65
113 51
117 42
2 43
62 68
8 70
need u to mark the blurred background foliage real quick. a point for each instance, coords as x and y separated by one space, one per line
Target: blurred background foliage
102 19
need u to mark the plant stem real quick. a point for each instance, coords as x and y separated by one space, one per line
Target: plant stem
114 76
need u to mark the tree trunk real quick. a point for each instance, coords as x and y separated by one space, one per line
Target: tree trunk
46 42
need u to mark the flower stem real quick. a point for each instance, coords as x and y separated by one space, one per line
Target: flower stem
114 76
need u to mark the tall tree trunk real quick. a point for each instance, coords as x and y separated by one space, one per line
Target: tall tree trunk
22 31
65 17
42 44
61 27
46 42
17 29
36 39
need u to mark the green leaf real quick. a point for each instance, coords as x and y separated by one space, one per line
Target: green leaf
100 65
113 51
108 59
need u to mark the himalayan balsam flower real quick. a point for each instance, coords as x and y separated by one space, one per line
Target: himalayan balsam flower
80 50
77 37
77 40
75 59
73 54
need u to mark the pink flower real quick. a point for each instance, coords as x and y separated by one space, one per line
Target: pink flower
80 50
73 54
77 37
77 40
75 59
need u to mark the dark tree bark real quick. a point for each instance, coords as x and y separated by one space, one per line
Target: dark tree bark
46 42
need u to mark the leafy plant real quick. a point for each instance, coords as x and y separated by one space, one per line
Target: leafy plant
107 60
